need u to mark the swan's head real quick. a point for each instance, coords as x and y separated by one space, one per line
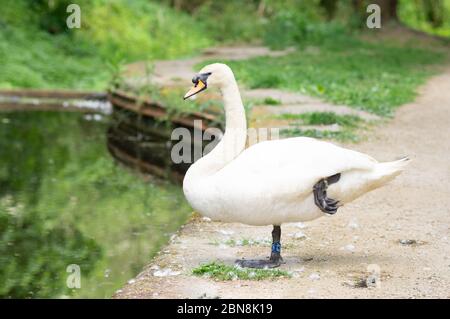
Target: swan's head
216 74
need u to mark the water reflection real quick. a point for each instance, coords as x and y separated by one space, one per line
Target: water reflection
64 200
145 144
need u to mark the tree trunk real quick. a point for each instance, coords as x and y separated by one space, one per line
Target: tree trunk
330 7
388 9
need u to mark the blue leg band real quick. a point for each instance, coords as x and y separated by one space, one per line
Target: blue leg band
276 247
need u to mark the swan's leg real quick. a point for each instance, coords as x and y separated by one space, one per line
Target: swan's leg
275 255
326 204
275 259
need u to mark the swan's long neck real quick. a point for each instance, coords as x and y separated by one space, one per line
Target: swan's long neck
233 140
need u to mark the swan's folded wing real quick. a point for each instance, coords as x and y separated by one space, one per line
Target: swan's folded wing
288 167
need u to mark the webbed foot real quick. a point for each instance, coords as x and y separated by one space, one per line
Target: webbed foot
326 204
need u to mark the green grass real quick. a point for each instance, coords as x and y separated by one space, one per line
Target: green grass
224 272
271 101
38 60
112 33
348 125
342 135
376 77
323 118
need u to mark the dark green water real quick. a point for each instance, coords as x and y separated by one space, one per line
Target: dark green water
64 200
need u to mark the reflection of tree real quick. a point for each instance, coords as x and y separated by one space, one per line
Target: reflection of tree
23 156
37 242
34 254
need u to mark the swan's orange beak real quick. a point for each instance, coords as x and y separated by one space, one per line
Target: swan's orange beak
198 87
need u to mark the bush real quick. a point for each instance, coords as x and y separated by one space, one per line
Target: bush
231 21
296 29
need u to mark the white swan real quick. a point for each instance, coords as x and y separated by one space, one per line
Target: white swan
274 182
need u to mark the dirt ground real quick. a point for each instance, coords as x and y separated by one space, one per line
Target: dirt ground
401 231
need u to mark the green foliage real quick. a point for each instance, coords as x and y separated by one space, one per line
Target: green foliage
66 201
243 21
51 15
277 23
224 272
376 77
139 30
416 14
294 28
70 66
37 50
231 21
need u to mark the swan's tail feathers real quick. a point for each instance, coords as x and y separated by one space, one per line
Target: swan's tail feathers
356 183
396 166
387 171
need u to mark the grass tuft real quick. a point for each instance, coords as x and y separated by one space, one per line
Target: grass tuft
222 272
342 136
271 101
323 118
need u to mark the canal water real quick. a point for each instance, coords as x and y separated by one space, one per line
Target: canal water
73 221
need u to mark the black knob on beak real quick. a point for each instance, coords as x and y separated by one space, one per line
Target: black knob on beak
201 77
196 78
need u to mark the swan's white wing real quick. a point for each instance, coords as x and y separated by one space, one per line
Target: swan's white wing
288 167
